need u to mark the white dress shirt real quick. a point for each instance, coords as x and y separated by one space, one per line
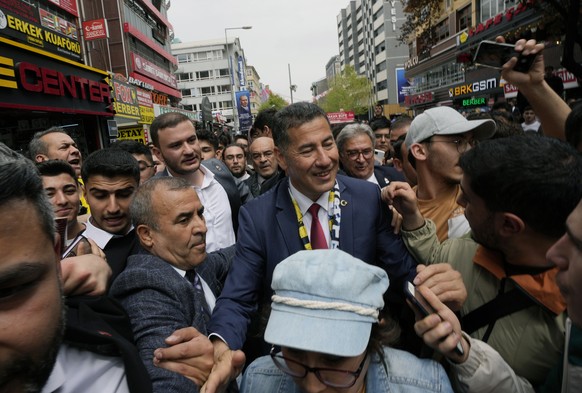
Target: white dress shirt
305 203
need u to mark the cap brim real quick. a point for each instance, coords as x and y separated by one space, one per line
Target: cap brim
482 129
324 331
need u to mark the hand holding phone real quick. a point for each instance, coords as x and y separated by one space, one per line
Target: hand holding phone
495 54
420 304
73 249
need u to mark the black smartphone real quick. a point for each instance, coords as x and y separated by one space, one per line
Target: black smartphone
420 304
495 54
71 250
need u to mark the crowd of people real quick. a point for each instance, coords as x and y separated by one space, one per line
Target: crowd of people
278 262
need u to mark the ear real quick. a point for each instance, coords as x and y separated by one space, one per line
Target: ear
281 159
41 158
397 164
267 132
144 234
509 224
157 153
419 151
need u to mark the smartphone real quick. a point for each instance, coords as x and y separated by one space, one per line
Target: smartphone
420 304
379 155
495 54
71 250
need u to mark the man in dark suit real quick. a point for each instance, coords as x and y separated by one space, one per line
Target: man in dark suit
173 284
266 174
286 220
356 148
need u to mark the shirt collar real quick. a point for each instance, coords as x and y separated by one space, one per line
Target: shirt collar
98 235
305 202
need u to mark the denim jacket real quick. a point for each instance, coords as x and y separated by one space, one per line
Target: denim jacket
406 373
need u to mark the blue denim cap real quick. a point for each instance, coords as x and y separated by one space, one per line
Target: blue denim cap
325 301
444 120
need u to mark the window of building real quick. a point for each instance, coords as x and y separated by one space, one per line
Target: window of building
207 91
380 48
490 8
184 58
379 30
464 18
223 89
223 72
186 92
184 76
189 107
381 67
200 75
442 30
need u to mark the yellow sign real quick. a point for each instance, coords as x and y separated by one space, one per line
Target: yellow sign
147 114
134 134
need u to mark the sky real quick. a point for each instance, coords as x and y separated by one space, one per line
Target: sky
302 33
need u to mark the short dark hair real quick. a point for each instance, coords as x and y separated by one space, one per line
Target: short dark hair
166 120
37 146
20 181
133 147
538 179
110 163
266 117
501 105
294 116
397 146
55 167
380 124
240 136
210 137
401 122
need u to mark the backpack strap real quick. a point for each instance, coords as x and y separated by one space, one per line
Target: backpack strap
505 303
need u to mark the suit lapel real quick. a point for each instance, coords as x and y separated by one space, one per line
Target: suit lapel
346 242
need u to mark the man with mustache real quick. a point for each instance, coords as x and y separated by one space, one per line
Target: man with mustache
174 283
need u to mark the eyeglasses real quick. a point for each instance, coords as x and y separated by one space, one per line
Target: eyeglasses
461 144
331 377
354 154
144 165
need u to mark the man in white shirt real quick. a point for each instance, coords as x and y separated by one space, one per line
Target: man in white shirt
176 143
530 121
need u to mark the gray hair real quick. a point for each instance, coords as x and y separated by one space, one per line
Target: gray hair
141 209
351 131
20 180
37 146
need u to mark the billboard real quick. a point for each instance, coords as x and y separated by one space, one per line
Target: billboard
243 106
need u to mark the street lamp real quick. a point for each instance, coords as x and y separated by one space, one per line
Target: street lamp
231 71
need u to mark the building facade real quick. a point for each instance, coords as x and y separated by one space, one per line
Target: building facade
205 70
368 41
254 85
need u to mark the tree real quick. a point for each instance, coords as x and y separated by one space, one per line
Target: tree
420 15
274 101
349 92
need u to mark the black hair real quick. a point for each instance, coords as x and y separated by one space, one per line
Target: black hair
110 163
293 116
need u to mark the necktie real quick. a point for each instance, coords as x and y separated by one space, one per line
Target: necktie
203 309
317 236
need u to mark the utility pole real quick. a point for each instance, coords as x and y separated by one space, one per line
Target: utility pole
292 87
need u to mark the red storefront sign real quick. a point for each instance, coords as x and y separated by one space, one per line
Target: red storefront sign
95 29
418 99
340 117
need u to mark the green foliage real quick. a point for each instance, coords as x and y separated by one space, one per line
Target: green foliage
275 101
349 92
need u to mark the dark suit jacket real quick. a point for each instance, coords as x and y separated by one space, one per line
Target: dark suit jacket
256 189
269 233
386 174
118 249
159 301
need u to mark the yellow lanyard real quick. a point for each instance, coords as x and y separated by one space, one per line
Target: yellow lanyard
302 230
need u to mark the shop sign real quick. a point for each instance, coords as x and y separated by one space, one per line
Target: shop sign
126 104
95 29
419 99
139 83
499 18
160 110
340 117
151 70
413 61
469 88
570 81
160 99
67 5
29 80
146 106
474 101
46 30
132 134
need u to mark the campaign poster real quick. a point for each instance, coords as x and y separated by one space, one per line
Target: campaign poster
402 85
243 107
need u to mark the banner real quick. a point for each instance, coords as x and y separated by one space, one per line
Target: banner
340 117
39 28
241 71
402 85
243 106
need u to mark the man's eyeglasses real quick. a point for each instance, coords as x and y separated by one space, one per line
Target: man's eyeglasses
331 377
144 165
461 144
354 154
